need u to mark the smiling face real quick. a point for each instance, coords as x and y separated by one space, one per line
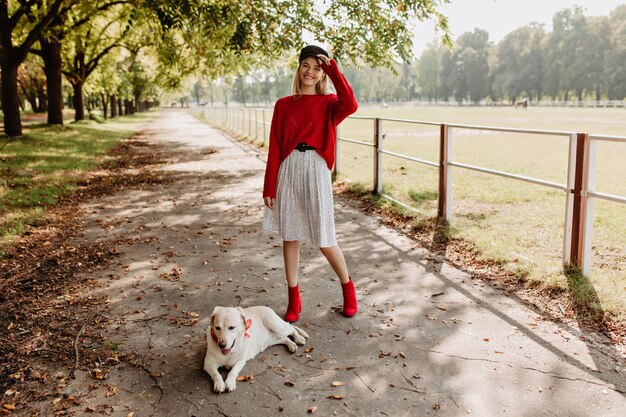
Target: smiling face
227 327
310 73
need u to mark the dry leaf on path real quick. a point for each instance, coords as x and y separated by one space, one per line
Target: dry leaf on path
337 384
245 378
336 397
311 410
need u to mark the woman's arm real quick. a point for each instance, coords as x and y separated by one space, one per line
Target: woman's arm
346 103
273 158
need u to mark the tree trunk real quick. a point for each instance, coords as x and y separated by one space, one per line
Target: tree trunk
77 100
119 107
113 106
51 54
10 98
42 99
105 104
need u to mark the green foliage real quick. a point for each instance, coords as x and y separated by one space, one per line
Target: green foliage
46 163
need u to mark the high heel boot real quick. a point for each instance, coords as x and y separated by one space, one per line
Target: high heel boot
295 305
350 306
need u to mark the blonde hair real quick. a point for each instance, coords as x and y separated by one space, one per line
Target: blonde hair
320 88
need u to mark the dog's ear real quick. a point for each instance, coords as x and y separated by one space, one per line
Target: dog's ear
215 311
243 315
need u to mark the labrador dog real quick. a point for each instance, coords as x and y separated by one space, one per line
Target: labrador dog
236 335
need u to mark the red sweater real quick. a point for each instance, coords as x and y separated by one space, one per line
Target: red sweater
312 119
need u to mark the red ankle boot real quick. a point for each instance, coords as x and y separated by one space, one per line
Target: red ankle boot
295 305
350 306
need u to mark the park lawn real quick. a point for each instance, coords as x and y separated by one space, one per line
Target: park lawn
47 162
517 223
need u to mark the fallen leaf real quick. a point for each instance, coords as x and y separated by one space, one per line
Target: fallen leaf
111 391
56 400
311 410
436 406
289 383
308 350
10 407
337 384
382 354
336 397
486 339
442 308
245 378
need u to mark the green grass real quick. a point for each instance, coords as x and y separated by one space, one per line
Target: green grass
516 223
45 163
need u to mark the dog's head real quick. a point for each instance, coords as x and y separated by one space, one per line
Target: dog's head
227 328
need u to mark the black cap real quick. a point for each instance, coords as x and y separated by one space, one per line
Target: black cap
311 50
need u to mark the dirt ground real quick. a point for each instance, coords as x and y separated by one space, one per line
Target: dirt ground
106 303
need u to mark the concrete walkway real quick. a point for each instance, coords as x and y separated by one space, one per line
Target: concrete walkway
428 341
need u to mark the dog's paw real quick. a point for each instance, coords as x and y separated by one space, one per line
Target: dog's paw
231 384
292 346
299 339
219 386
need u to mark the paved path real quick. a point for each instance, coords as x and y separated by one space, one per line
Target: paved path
409 352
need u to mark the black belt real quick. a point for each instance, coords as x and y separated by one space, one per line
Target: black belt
304 147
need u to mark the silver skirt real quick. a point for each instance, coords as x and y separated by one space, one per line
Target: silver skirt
303 209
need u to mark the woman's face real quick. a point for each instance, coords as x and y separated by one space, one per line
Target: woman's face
310 72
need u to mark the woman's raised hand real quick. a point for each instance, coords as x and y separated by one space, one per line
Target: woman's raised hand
324 59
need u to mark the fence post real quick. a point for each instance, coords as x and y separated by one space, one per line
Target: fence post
249 122
256 124
378 156
264 129
582 223
444 209
569 200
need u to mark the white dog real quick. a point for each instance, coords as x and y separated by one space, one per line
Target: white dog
236 335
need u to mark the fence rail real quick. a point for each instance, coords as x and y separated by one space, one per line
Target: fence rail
579 190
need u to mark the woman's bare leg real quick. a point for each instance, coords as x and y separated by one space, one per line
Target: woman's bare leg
335 258
291 255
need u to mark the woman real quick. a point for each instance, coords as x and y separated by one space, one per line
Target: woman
298 189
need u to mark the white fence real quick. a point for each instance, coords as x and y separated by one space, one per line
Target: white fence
579 191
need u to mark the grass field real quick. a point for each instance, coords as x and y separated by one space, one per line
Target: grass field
517 223
46 162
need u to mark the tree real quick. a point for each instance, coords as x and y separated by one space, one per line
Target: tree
235 37
614 71
519 63
472 67
88 45
429 73
20 27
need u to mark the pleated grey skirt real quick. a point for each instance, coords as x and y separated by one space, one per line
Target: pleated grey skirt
303 209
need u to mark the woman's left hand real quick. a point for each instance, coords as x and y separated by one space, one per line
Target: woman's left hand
323 58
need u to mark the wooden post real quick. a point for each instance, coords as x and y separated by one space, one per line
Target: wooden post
256 124
264 128
582 213
378 156
444 209
569 200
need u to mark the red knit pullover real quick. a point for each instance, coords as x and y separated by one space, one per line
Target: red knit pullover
312 119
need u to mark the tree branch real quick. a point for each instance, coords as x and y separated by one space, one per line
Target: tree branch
35 33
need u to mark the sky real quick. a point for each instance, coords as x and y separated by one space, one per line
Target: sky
499 17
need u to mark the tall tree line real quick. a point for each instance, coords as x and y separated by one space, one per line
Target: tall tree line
114 51
581 58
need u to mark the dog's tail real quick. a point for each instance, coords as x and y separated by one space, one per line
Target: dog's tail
302 332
